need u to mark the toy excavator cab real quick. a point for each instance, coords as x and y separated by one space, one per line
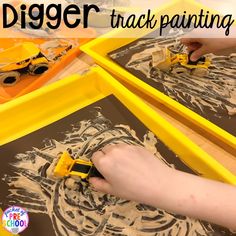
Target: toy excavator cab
179 63
67 166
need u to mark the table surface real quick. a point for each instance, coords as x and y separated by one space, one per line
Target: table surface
83 62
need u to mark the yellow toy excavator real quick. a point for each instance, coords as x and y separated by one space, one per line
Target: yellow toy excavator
67 166
22 58
165 60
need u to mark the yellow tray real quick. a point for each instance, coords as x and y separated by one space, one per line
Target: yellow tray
49 104
3 232
29 113
100 47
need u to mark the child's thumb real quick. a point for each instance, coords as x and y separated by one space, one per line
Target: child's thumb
100 185
198 53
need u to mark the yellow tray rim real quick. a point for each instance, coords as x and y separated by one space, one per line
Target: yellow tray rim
92 49
133 102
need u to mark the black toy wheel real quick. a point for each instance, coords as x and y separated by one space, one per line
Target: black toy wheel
8 79
38 69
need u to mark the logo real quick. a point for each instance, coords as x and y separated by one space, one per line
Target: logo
15 219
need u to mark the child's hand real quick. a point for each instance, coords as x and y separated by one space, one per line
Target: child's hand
130 172
135 174
202 46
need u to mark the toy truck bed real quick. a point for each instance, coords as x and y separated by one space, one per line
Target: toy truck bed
18 53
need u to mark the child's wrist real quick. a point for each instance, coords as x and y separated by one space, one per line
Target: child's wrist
162 187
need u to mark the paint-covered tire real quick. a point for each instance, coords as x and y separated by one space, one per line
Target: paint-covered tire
38 69
200 72
8 79
179 70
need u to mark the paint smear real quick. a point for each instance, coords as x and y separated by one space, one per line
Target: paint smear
212 96
73 207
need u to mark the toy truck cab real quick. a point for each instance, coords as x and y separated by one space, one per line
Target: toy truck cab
23 58
165 60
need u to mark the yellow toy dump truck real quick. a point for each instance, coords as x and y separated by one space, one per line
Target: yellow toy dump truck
165 60
67 166
23 58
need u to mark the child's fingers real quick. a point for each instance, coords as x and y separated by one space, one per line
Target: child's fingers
97 156
100 185
114 147
108 148
193 47
98 160
198 53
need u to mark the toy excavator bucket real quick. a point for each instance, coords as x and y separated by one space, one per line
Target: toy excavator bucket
64 165
161 58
